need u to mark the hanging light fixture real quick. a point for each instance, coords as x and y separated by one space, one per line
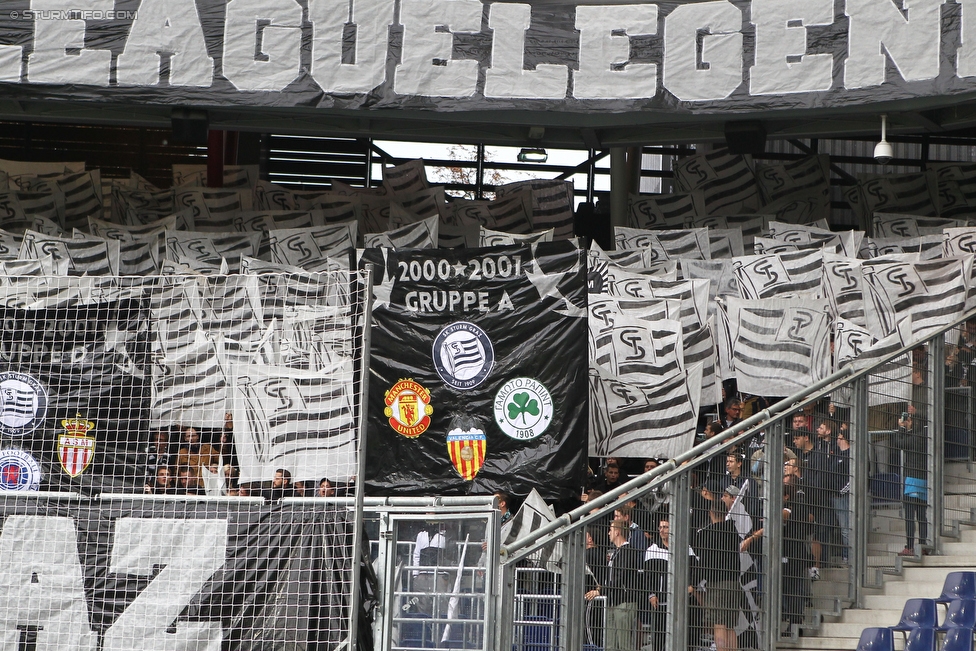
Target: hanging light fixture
883 152
532 155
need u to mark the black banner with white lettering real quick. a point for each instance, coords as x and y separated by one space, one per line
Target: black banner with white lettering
134 574
74 395
478 378
468 55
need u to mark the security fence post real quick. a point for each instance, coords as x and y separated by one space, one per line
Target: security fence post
772 575
935 380
679 579
573 589
504 605
860 499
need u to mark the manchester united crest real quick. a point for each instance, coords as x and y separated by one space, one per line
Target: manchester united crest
467 450
408 408
75 448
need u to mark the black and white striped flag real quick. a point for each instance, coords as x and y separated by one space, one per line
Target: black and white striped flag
727 183
488 237
962 242
553 203
912 193
765 276
431 202
316 337
189 387
202 249
305 247
637 259
88 257
843 287
666 245
510 214
933 293
751 226
9 245
268 196
636 419
725 243
450 236
405 178
898 225
808 174
779 346
854 346
923 247
665 210
422 235
625 346
848 241
808 207
532 515
295 419
718 273
82 192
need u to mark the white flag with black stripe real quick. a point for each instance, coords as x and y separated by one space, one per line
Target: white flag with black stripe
316 337
488 237
665 210
302 421
189 387
924 247
405 178
779 345
637 419
727 182
848 241
666 245
532 515
855 346
898 225
553 202
725 243
933 293
751 226
718 273
843 287
301 247
422 235
765 276
633 347
88 257
202 250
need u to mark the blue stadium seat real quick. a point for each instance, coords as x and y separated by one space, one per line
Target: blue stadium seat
921 639
917 613
876 639
958 585
958 639
961 613
417 635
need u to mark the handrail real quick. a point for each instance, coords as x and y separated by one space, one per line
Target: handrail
707 449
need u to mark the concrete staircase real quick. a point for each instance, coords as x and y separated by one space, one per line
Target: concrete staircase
830 625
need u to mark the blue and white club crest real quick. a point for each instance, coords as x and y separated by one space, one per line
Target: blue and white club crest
19 471
463 355
23 404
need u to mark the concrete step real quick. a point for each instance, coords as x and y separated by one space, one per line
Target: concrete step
877 617
832 644
924 573
906 589
952 562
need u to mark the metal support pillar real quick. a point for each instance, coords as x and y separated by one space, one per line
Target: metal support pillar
215 159
619 186
772 543
679 580
573 606
935 399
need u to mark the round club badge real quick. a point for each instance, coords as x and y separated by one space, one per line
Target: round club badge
463 355
19 471
23 404
408 408
523 408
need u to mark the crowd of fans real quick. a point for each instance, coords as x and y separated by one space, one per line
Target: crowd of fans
179 461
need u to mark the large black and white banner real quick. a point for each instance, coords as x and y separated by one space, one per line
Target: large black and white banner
137 575
468 55
74 391
478 372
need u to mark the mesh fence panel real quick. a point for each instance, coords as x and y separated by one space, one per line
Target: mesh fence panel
181 384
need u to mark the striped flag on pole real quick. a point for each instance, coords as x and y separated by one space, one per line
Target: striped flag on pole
665 245
665 210
779 344
932 293
768 275
640 419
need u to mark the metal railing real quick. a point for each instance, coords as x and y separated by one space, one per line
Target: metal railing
893 446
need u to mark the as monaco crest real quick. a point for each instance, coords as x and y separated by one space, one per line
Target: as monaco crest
75 448
467 450
408 408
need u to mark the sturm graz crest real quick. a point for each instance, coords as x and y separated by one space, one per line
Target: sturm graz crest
23 404
463 355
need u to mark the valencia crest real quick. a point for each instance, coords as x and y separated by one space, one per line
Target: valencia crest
408 408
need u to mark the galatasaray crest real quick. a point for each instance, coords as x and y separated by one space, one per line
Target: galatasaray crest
408 408
75 448
467 450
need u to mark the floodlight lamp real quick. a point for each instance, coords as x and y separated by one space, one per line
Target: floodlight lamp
533 155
